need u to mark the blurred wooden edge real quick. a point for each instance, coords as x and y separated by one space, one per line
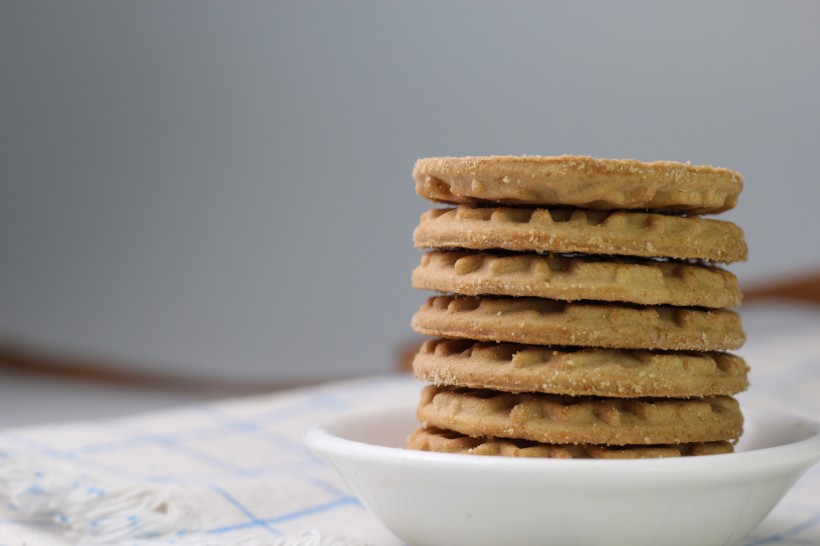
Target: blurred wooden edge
407 352
803 288
16 358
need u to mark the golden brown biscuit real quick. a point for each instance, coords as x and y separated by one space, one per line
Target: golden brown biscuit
581 231
647 282
517 368
554 419
578 181
448 441
538 321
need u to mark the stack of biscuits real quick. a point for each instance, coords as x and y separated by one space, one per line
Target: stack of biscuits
581 313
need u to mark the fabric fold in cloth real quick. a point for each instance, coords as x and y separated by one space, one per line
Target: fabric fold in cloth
236 472
94 508
228 473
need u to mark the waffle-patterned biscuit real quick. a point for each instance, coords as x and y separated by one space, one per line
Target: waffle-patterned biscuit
647 282
448 441
592 232
516 368
549 322
578 181
554 419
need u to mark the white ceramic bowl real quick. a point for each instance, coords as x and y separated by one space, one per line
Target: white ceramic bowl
446 499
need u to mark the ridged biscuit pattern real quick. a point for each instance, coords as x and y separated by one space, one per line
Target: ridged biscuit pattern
448 441
554 419
518 368
640 234
549 322
582 316
578 181
647 282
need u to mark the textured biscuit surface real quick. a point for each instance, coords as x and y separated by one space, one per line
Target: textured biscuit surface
578 181
517 368
554 419
647 282
447 441
539 321
584 231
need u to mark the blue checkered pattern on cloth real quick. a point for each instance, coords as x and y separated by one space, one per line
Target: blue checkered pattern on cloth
236 472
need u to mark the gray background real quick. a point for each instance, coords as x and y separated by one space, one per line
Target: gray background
223 188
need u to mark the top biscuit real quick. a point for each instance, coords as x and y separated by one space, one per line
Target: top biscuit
578 181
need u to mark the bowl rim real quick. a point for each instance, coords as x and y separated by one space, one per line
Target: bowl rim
324 439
